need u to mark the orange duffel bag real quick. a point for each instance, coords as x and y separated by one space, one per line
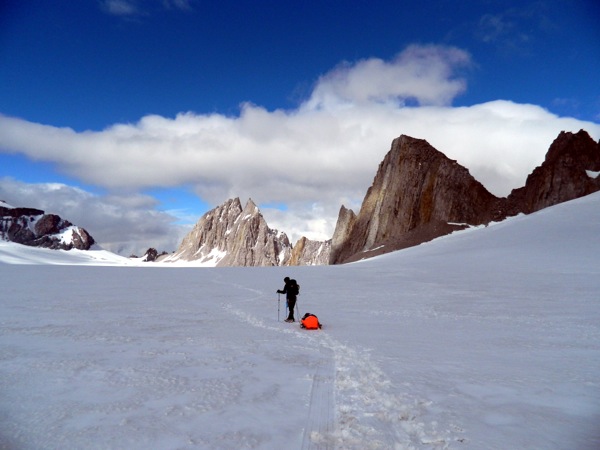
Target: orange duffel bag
310 322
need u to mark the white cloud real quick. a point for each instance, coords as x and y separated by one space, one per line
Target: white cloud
317 157
421 73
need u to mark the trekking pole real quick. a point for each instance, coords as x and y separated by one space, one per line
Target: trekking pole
278 303
297 310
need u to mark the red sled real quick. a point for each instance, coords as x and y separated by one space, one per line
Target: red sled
310 322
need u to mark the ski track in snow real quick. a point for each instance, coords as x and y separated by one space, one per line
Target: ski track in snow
321 415
352 403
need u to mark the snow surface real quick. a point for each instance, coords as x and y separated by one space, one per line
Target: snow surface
485 339
11 253
67 235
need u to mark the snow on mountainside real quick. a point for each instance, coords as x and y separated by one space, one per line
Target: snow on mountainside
488 338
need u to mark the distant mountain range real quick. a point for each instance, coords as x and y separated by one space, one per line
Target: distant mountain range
417 194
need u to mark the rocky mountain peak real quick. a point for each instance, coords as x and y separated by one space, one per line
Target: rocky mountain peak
230 235
416 188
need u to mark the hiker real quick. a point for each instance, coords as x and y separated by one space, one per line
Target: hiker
290 290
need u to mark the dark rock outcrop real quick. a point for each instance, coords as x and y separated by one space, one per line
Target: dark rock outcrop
419 194
32 227
231 236
151 255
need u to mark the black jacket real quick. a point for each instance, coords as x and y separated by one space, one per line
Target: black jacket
289 290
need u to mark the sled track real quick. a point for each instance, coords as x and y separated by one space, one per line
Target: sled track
320 424
353 404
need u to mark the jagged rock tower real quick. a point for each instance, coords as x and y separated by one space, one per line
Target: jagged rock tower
231 236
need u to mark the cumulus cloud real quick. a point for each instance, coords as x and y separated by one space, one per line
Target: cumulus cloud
123 224
425 74
317 157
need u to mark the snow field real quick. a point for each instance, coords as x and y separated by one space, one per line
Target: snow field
485 339
348 385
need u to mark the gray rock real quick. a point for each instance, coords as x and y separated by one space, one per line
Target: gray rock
307 252
231 236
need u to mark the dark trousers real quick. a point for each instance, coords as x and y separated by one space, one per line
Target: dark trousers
291 302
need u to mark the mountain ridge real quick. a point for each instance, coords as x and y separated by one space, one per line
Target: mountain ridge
230 235
419 194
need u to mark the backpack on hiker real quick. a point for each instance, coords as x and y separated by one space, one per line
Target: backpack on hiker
310 322
294 287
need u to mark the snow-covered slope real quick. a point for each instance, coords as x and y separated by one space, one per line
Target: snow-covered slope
485 339
12 253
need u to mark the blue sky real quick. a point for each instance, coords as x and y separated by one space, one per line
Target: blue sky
146 113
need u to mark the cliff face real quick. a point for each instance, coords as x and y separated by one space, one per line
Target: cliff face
416 188
253 243
307 252
341 234
32 227
419 194
231 236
